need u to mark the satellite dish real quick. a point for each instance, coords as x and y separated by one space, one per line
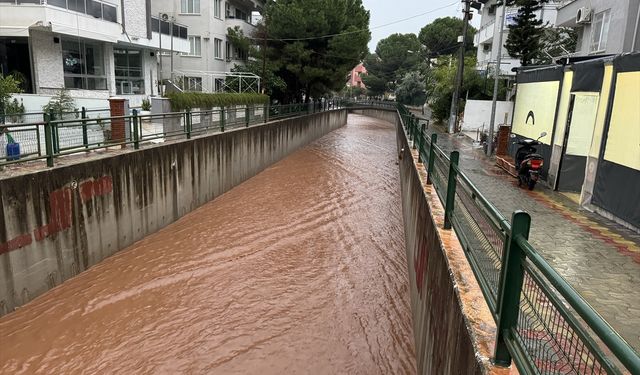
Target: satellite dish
165 17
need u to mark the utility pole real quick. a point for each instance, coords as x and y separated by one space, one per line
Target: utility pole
264 56
453 117
496 84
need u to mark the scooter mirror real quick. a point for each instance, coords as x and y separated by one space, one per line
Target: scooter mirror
543 134
512 135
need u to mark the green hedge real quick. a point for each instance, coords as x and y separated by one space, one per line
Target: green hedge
183 100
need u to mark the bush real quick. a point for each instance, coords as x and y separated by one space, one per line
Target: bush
60 104
183 100
14 110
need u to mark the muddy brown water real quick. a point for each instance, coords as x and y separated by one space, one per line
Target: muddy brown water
299 270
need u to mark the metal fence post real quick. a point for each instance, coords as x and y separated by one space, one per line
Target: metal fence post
222 118
247 113
510 286
266 112
414 127
48 141
421 143
451 189
187 122
432 154
85 136
136 136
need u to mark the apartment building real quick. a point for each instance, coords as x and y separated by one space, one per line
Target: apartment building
603 26
95 49
205 66
486 39
355 76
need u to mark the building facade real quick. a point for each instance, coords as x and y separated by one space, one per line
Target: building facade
355 76
487 38
95 49
211 55
603 26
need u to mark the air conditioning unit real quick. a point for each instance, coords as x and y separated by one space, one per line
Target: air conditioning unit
583 15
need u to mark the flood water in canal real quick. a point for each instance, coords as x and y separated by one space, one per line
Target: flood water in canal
299 270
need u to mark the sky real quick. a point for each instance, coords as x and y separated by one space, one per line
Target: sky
387 11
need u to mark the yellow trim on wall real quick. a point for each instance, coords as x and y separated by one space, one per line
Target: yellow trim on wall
563 108
623 139
605 93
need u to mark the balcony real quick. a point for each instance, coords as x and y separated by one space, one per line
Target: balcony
485 34
15 20
567 12
246 27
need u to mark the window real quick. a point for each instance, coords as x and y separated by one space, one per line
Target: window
83 65
193 83
217 8
92 8
178 30
194 46
240 54
190 6
600 31
219 82
129 73
228 51
217 48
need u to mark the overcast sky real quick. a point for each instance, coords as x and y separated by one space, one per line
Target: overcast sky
387 11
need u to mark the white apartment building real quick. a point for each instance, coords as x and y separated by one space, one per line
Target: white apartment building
205 66
603 26
96 49
486 39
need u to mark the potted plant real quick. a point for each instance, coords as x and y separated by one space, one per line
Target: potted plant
145 107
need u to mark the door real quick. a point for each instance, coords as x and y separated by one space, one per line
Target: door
577 141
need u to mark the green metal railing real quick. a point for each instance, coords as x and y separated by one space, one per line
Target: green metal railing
543 324
58 135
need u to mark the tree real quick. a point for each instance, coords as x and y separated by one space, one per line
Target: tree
395 56
313 44
557 42
411 90
524 40
440 87
440 37
8 85
376 86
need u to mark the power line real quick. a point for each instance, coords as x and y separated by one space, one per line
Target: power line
361 30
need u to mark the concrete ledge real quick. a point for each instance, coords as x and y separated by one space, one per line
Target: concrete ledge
58 222
453 327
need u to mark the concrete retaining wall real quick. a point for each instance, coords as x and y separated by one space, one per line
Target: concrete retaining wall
453 327
58 222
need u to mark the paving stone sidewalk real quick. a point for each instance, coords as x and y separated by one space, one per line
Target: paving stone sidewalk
598 257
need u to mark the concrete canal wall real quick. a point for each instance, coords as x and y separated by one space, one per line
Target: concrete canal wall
453 327
57 222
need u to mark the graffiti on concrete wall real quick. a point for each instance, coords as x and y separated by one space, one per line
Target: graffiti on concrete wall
60 211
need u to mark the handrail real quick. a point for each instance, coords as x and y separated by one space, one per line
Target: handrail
619 347
83 134
517 254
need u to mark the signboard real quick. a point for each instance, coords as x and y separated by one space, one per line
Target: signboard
535 109
511 15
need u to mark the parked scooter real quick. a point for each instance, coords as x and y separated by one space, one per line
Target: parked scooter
528 162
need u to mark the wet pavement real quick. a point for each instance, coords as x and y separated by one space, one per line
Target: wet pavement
299 270
598 257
